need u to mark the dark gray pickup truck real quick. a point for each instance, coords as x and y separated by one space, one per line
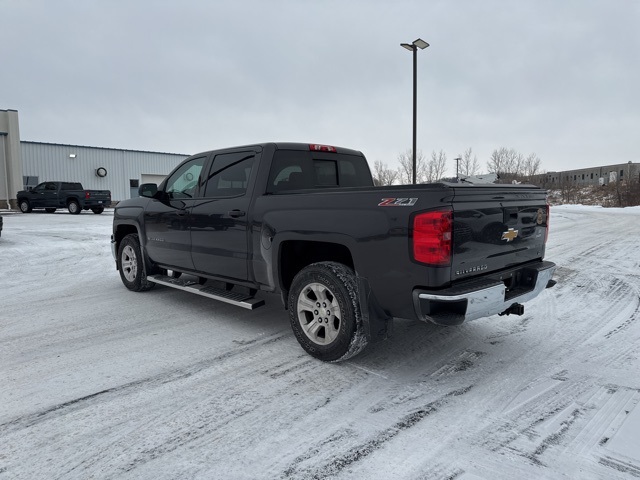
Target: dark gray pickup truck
306 222
70 195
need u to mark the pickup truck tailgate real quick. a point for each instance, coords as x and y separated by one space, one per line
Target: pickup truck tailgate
496 227
98 195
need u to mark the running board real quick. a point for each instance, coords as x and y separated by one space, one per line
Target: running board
234 298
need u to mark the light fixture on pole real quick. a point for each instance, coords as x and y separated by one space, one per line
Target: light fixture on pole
413 47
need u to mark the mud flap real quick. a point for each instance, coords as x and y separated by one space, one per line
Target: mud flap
377 324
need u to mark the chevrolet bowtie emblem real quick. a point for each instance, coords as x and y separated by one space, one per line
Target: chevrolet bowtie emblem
509 235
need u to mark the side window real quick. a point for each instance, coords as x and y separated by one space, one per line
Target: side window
51 186
183 182
40 188
229 175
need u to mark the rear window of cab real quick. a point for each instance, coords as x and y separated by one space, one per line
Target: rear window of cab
300 170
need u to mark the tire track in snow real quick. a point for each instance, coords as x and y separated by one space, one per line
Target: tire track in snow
364 449
86 401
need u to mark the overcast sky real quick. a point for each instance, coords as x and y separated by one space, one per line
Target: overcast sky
557 78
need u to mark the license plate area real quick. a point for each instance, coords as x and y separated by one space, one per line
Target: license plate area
519 282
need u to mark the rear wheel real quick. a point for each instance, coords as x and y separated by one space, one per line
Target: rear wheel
97 210
74 207
25 206
131 266
325 313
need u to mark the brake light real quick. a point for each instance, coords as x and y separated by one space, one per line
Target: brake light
322 148
87 195
432 237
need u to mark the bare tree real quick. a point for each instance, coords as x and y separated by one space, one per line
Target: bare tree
436 166
531 166
405 170
511 165
468 164
383 175
632 186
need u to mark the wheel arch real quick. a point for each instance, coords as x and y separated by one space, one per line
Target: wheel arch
122 231
294 255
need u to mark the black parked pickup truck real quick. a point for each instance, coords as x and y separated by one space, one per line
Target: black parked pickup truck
305 221
70 195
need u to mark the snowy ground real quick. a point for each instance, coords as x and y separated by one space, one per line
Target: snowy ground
100 382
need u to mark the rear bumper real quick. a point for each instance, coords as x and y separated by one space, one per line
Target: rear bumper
91 203
490 295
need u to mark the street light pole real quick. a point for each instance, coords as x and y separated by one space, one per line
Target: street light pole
457 162
419 43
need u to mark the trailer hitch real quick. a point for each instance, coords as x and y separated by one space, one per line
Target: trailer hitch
514 309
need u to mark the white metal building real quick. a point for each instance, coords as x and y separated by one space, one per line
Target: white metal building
25 164
120 171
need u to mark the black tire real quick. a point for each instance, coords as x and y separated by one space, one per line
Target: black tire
97 210
324 310
25 206
74 207
50 210
131 265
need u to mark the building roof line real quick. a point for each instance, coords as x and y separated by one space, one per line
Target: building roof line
103 148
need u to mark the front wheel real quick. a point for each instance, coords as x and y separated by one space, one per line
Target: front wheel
131 265
25 206
74 207
324 310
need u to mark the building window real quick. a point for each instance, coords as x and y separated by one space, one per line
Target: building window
621 172
575 177
134 183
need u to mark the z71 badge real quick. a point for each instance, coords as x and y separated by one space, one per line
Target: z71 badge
398 202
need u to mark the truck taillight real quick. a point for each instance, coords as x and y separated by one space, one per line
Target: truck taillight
322 148
87 195
432 237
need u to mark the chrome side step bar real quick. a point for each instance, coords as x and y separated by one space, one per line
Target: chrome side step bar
234 298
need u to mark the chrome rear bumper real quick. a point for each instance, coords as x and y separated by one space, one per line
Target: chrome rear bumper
483 297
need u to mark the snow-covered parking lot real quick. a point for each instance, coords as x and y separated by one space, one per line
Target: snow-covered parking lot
100 382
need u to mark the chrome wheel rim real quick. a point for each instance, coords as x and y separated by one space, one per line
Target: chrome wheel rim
24 206
319 314
73 207
129 263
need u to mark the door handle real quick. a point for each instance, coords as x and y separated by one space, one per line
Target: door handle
236 213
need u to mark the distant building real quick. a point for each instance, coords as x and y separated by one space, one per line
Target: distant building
589 176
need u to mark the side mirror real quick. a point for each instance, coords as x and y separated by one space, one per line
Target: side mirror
148 190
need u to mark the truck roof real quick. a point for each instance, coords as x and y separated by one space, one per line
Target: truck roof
290 146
